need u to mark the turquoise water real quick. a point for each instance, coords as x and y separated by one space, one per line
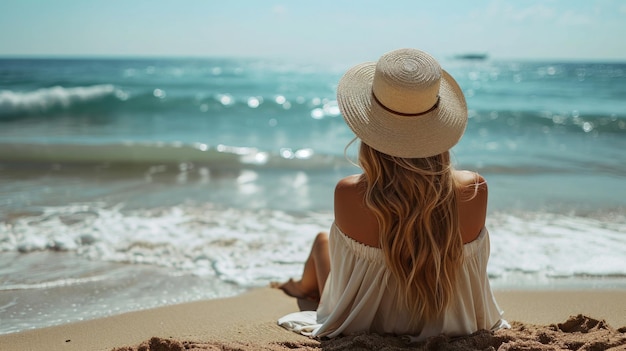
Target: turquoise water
128 184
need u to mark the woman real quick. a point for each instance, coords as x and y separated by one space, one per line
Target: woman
408 250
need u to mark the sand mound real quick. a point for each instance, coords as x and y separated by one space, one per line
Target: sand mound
580 333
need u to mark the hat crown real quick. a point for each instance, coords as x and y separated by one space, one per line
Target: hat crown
403 105
407 81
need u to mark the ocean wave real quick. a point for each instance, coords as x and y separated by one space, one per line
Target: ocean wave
546 121
237 246
107 99
153 159
161 153
54 98
135 108
252 247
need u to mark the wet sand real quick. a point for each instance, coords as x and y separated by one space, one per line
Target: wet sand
541 320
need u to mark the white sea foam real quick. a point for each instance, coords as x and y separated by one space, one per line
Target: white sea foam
250 248
247 248
44 99
557 245
52 283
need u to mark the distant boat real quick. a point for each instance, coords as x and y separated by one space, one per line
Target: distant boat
472 56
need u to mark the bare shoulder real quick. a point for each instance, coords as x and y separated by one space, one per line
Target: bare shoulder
348 183
470 184
351 214
472 203
469 178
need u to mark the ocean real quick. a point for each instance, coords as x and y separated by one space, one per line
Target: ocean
128 184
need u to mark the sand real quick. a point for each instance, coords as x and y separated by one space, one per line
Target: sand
541 320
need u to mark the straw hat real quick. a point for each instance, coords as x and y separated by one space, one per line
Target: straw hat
404 105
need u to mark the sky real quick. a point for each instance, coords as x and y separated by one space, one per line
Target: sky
320 30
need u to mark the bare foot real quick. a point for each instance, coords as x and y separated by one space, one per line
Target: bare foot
294 289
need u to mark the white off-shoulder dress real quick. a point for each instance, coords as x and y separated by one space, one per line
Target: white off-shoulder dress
359 296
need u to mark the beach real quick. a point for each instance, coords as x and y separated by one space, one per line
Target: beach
248 322
152 197
162 163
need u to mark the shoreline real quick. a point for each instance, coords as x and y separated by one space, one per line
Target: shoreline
76 289
250 319
67 303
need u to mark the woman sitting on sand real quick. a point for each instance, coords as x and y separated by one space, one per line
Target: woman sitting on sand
407 253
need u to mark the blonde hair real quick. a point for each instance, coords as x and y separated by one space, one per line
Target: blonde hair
414 201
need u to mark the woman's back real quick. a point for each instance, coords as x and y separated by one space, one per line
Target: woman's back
361 293
357 221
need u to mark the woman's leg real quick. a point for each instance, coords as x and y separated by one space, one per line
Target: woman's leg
316 269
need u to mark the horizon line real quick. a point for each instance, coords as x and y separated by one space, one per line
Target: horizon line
448 57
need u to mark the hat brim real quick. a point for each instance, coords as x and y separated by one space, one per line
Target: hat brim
428 134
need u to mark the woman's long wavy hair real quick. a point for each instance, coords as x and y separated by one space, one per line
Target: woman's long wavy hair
415 202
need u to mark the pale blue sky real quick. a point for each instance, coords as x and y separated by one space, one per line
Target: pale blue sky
321 30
